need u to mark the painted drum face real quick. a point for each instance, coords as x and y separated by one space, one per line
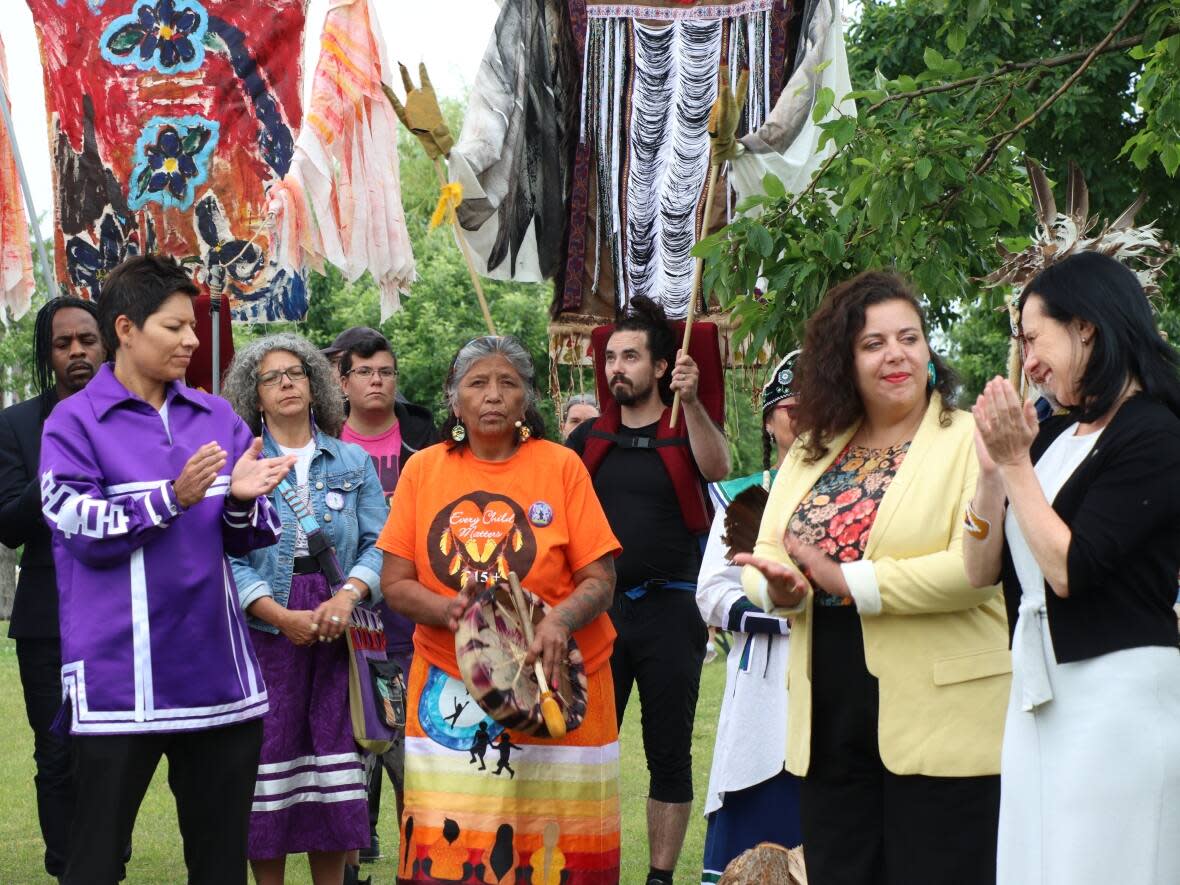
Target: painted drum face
449 715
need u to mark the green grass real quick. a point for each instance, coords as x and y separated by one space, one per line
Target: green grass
158 858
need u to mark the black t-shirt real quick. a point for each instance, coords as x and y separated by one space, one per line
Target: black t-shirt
641 505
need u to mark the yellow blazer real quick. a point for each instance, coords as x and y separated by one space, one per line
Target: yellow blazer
938 646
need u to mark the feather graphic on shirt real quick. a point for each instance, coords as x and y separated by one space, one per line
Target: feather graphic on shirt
444 543
517 543
456 564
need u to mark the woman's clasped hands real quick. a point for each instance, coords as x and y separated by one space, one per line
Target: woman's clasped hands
1004 426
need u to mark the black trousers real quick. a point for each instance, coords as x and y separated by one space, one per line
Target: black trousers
862 824
211 774
661 647
39 661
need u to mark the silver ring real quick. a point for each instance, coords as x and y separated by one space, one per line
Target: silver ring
335 619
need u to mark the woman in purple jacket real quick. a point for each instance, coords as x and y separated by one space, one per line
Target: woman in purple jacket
147 485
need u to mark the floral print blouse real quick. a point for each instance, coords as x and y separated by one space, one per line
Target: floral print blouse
838 512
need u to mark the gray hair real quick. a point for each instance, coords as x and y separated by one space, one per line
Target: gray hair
507 346
579 399
241 382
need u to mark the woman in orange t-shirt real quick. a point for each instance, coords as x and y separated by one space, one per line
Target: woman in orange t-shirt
496 497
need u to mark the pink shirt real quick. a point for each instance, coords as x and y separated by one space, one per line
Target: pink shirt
385 450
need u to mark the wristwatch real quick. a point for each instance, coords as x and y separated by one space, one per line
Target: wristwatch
354 590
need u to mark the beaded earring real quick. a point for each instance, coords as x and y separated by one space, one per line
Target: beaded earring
459 432
931 375
524 430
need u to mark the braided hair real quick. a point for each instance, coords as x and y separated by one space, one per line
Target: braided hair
768 445
43 337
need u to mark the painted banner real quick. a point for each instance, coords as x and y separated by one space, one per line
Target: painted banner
16 261
167 121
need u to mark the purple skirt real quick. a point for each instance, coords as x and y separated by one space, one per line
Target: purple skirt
310 794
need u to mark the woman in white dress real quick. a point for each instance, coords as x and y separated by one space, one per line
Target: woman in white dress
1080 516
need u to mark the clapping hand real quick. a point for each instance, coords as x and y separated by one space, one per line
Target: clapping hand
1005 425
254 476
785 585
823 571
198 474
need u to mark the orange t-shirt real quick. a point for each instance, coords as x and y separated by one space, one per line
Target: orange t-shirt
535 514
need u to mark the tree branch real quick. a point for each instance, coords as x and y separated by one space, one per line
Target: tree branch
1001 141
1014 66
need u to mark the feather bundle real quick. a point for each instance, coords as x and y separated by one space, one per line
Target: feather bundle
1061 234
742 519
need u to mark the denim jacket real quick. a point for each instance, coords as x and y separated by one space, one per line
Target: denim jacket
353 529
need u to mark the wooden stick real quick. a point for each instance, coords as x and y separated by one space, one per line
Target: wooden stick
550 711
696 278
462 241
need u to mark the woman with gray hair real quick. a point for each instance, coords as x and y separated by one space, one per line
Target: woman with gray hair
496 498
310 793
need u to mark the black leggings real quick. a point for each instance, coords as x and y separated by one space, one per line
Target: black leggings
211 773
661 646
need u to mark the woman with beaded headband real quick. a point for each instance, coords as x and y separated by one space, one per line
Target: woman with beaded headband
310 794
496 498
751 796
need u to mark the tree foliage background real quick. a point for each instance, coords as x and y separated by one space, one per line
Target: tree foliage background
928 173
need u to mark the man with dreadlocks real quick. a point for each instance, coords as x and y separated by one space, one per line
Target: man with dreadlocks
68 351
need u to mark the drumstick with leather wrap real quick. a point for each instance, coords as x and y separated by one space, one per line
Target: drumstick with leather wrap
550 710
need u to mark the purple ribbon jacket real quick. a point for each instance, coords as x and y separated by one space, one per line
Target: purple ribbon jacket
153 639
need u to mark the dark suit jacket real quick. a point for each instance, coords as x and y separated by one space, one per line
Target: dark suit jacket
34 613
1122 506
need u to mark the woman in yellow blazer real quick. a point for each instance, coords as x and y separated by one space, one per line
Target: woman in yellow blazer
899 669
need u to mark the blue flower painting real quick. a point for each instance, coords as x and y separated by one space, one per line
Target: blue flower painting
161 35
171 160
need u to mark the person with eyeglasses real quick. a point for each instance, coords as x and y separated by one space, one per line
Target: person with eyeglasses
751 796
390 429
311 791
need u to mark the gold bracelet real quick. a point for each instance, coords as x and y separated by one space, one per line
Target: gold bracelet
976 526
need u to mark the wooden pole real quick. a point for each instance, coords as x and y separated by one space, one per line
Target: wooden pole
696 279
463 247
